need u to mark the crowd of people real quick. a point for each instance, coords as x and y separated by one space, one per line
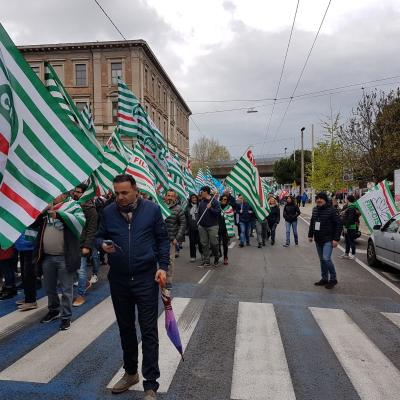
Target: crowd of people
127 231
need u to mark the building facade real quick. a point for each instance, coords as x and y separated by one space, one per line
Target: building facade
89 72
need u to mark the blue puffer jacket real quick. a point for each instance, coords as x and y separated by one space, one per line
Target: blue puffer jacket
245 212
143 244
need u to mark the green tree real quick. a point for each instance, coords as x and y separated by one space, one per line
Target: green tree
207 152
328 171
284 170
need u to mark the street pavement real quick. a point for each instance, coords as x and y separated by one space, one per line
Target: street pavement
256 329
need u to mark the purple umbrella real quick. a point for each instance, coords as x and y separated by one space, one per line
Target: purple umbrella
170 322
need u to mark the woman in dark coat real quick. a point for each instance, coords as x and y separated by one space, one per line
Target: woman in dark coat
191 213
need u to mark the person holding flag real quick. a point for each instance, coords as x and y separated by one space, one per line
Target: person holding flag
226 224
209 211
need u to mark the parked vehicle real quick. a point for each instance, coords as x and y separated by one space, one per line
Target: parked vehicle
384 244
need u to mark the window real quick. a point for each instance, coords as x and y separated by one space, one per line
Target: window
146 79
159 93
391 227
59 69
114 111
80 105
116 72
80 75
152 86
36 69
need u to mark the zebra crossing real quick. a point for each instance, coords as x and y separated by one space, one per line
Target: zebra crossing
260 369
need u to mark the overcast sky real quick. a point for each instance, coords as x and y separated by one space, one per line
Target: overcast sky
234 50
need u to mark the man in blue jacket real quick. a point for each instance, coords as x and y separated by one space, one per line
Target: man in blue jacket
133 233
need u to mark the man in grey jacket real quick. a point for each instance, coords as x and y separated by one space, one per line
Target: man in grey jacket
176 226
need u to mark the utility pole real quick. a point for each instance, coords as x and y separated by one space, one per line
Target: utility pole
312 163
302 160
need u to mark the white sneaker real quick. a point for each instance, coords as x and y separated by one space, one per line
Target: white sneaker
76 284
192 260
352 257
94 279
345 256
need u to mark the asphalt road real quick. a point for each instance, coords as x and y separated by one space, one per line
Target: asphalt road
255 329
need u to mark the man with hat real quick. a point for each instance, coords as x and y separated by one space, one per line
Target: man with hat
325 230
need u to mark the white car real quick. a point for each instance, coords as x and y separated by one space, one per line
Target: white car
384 244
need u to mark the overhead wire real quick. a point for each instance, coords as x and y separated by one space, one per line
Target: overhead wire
303 69
281 76
109 18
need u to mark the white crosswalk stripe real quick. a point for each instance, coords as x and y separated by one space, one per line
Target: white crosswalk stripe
372 374
44 362
260 368
169 357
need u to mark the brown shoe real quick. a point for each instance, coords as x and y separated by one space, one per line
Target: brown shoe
125 383
79 301
20 302
150 395
27 306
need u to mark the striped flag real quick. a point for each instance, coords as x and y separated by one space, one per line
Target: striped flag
72 214
201 179
127 101
228 215
244 178
114 164
139 169
115 143
191 185
48 154
90 192
87 117
57 90
177 179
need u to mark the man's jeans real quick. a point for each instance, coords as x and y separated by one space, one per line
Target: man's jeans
209 241
54 270
328 271
83 274
245 232
143 294
262 229
171 267
292 225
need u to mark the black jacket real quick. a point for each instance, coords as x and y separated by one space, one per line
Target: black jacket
191 224
90 228
176 223
291 212
274 216
210 217
330 224
143 243
72 251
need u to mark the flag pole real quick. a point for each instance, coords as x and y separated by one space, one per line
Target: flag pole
202 215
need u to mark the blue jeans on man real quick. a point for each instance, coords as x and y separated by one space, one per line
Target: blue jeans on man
82 272
245 233
291 225
328 272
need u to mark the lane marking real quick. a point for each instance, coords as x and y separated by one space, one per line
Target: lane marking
15 320
232 245
260 369
393 317
372 374
44 362
205 277
169 358
369 269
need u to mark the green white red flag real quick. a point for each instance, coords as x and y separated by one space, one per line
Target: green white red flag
47 156
177 179
72 214
127 101
139 169
245 180
377 206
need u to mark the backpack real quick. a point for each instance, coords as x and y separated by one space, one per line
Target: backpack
349 216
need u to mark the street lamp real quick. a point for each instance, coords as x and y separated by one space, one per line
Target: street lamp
302 160
285 151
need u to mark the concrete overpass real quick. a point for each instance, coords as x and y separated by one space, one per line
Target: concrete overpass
264 164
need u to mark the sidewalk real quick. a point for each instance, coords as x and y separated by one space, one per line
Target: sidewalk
307 211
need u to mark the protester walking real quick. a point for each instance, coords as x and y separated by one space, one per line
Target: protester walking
226 227
87 246
209 211
192 215
58 252
291 212
176 226
304 199
134 235
245 213
350 220
273 218
25 245
325 229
